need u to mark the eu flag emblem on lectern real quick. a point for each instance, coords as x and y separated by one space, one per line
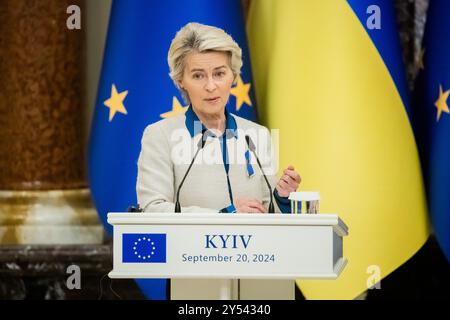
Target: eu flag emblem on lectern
143 248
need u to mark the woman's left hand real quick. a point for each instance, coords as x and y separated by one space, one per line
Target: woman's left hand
288 182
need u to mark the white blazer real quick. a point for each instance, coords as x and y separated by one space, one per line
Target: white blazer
167 150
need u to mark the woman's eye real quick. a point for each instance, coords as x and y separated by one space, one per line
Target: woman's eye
197 76
220 74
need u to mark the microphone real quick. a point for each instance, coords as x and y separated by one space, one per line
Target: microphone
138 208
135 209
252 148
200 145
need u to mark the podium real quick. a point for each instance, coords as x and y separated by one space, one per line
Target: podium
228 256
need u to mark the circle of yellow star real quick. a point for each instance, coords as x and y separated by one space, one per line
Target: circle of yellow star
241 92
115 102
177 109
441 102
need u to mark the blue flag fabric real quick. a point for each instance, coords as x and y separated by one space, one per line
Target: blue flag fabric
135 91
431 118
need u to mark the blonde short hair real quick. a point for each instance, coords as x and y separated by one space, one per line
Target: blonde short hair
201 38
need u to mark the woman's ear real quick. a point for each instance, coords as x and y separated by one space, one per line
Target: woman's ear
234 79
180 84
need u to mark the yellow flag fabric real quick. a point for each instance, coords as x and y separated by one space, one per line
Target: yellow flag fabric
321 80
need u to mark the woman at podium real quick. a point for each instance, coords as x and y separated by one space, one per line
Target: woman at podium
208 159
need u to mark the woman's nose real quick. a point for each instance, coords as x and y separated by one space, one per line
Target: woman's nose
210 84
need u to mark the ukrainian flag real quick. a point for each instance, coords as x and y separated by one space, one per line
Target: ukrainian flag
432 118
135 90
329 75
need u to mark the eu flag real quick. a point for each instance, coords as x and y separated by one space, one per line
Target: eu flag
135 90
432 118
144 248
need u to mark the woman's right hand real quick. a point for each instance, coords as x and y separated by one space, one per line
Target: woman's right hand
246 205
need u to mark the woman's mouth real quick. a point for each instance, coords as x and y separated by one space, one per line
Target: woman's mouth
212 100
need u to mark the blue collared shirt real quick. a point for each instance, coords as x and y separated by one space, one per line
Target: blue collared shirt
194 127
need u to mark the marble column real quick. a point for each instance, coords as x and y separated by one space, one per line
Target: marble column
44 196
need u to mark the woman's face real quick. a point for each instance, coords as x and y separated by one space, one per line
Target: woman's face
208 78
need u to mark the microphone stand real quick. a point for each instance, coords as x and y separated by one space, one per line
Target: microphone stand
252 148
200 146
